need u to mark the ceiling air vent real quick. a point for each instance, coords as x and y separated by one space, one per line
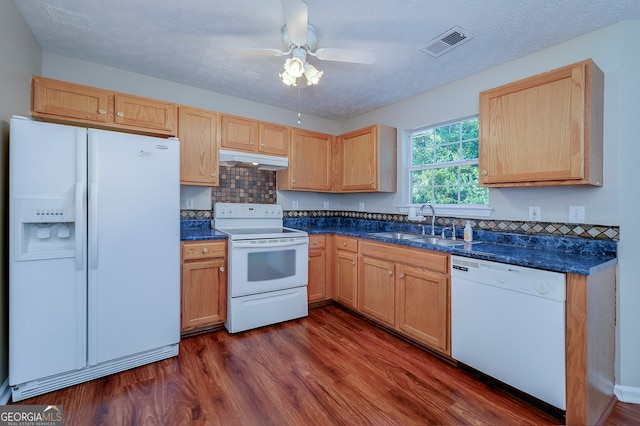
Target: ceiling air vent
446 41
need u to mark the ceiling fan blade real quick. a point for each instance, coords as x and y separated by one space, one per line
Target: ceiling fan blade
296 19
255 52
346 55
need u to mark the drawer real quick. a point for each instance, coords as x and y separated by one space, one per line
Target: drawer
204 249
346 243
316 241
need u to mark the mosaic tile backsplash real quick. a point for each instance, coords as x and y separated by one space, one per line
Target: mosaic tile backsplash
250 185
239 185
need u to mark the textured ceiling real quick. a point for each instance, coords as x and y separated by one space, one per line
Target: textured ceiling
184 41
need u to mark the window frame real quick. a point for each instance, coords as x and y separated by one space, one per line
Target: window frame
456 210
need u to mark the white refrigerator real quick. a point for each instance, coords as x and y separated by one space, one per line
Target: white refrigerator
94 263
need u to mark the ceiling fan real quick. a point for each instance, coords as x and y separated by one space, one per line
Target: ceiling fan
299 39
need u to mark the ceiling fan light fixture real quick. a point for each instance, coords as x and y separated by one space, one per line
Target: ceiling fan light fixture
294 67
312 74
288 79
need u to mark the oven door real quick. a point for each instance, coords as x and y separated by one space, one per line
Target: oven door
259 266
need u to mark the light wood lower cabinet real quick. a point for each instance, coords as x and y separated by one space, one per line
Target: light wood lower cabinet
407 289
376 290
422 306
346 270
204 285
318 287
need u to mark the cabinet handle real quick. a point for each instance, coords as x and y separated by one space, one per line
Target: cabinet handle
120 114
205 250
344 244
390 273
293 181
353 263
484 173
262 144
101 111
316 242
401 276
222 269
252 143
213 175
372 182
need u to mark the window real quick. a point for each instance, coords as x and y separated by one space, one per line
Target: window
443 168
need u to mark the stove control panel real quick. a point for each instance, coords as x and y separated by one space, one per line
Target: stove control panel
247 210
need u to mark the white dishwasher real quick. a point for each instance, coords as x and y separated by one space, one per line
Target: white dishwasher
509 322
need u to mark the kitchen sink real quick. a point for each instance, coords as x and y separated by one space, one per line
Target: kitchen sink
396 235
439 241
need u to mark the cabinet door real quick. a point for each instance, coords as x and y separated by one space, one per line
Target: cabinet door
309 162
423 306
538 131
317 284
145 114
238 133
204 293
346 278
68 100
198 133
376 290
358 156
274 139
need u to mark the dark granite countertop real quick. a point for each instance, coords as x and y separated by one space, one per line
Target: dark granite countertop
561 254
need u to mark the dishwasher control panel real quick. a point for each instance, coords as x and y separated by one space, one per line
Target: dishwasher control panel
536 282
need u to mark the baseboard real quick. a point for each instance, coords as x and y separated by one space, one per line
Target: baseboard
627 394
5 392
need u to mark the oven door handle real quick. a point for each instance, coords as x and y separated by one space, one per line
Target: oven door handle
268 243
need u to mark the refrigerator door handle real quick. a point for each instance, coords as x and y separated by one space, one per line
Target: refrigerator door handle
79 226
93 226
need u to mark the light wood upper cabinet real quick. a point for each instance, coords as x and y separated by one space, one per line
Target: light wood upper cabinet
198 134
309 162
545 130
244 134
61 101
366 160
204 285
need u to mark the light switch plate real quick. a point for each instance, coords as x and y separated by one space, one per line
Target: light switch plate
535 213
576 214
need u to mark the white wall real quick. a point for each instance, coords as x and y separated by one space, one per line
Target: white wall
20 56
628 350
460 99
91 74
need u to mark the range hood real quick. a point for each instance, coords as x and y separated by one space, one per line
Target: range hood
261 161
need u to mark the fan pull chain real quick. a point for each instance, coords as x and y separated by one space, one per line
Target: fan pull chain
299 117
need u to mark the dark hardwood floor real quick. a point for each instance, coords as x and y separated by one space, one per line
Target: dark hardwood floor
327 369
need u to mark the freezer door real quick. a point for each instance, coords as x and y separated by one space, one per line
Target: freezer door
47 275
134 244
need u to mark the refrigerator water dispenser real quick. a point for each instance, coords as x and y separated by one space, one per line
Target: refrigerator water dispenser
48 229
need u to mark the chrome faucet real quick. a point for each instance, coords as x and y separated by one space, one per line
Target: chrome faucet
433 218
453 232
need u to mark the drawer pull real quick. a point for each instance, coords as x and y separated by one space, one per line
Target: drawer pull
390 273
401 276
344 244
205 250
120 114
101 111
222 269
353 263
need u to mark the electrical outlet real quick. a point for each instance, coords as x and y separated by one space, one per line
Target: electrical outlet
535 213
576 214
325 205
361 206
189 204
294 205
